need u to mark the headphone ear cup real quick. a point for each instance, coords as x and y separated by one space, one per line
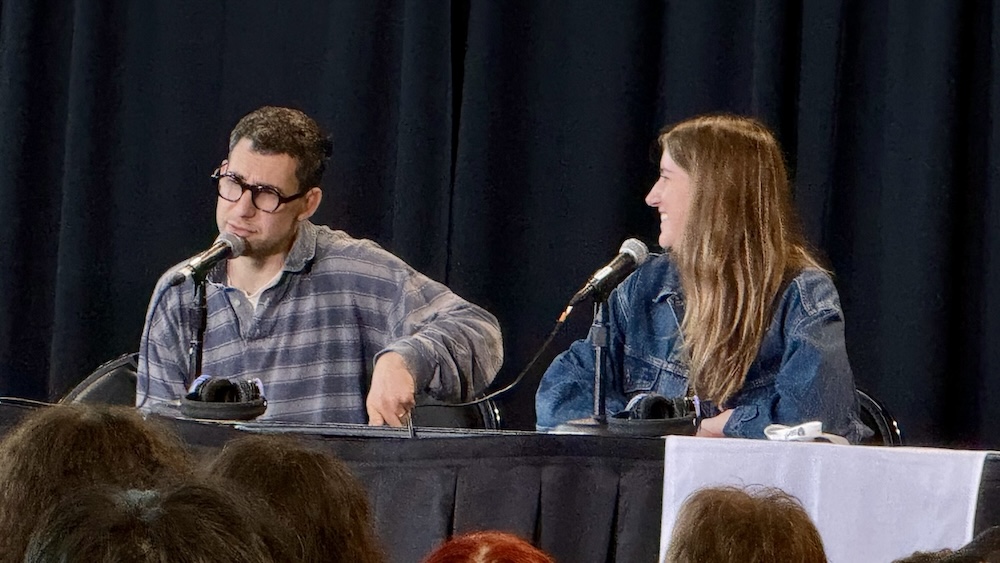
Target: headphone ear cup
224 399
248 391
653 407
217 390
196 392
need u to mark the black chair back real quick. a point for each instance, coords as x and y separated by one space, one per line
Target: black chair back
113 383
877 417
484 415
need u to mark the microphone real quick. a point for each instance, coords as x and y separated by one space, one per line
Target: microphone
227 245
630 256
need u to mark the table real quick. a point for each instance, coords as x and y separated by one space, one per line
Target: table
581 498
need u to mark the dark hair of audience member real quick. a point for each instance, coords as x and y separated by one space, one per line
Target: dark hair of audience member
927 557
985 547
488 547
727 524
182 522
311 492
60 449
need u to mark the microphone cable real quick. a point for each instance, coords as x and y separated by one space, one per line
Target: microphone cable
632 247
531 363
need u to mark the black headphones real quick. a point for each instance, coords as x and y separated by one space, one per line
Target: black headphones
217 398
651 414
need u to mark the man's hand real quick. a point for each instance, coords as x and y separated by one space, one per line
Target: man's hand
390 398
712 427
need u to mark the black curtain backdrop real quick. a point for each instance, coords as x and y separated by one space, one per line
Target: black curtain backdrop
503 147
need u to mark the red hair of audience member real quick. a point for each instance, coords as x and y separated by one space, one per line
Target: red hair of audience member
728 524
488 547
311 492
182 521
60 449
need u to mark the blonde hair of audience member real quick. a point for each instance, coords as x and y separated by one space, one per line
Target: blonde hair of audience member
740 243
60 449
728 524
310 491
487 547
184 521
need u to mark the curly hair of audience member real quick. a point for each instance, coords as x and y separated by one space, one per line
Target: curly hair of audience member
756 525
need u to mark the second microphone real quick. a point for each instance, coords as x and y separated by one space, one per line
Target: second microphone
630 256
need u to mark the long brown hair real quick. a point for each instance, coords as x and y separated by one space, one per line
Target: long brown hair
740 245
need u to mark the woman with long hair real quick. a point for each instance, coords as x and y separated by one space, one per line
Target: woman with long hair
737 311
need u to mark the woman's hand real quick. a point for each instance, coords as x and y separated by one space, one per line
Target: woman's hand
712 427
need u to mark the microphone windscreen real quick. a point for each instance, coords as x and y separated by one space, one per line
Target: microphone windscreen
636 249
238 244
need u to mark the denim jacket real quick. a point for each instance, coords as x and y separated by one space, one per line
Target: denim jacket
801 372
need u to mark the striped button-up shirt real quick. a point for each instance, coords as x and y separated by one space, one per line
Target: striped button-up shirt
314 337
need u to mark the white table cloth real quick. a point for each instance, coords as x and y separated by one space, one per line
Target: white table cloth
868 503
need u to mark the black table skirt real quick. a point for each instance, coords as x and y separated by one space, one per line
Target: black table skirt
581 498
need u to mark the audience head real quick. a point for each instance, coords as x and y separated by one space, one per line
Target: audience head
60 449
182 522
927 557
728 524
984 548
488 547
311 492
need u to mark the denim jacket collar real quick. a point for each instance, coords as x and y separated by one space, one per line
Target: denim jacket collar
671 285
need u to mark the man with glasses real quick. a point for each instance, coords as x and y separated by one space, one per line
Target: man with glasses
308 310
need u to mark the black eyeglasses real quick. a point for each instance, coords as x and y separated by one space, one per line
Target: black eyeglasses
266 198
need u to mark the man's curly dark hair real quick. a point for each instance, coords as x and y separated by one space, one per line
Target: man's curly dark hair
274 130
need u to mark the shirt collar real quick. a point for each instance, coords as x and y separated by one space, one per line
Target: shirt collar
670 284
302 253
303 249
